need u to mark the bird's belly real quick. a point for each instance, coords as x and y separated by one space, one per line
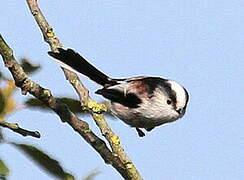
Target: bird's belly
137 117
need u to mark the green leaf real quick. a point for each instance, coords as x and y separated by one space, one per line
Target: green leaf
47 163
28 67
36 103
4 171
2 102
91 176
73 104
1 75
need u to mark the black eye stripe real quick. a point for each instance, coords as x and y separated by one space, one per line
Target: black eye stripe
171 93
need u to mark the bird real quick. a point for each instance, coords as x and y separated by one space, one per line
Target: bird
142 102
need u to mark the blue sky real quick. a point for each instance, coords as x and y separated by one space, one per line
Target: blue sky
197 43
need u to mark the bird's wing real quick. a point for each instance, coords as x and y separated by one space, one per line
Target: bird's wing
127 99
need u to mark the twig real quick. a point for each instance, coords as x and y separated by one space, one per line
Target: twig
54 43
17 129
81 127
94 107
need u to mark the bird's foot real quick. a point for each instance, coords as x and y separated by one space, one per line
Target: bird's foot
140 132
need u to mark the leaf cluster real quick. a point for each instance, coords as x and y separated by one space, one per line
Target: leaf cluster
8 105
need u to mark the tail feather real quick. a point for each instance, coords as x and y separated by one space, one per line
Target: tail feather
71 60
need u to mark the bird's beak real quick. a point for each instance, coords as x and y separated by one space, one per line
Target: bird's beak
181 111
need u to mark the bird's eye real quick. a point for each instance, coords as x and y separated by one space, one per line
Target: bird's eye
169 102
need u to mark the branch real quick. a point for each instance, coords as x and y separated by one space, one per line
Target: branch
81 127
17 129
54 43
94 107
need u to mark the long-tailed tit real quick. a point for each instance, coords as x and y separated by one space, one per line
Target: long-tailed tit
141 102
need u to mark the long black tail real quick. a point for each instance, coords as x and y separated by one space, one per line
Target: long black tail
73 61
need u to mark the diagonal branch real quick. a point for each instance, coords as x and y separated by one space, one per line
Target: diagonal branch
54 43
81 127
86 101
17 129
